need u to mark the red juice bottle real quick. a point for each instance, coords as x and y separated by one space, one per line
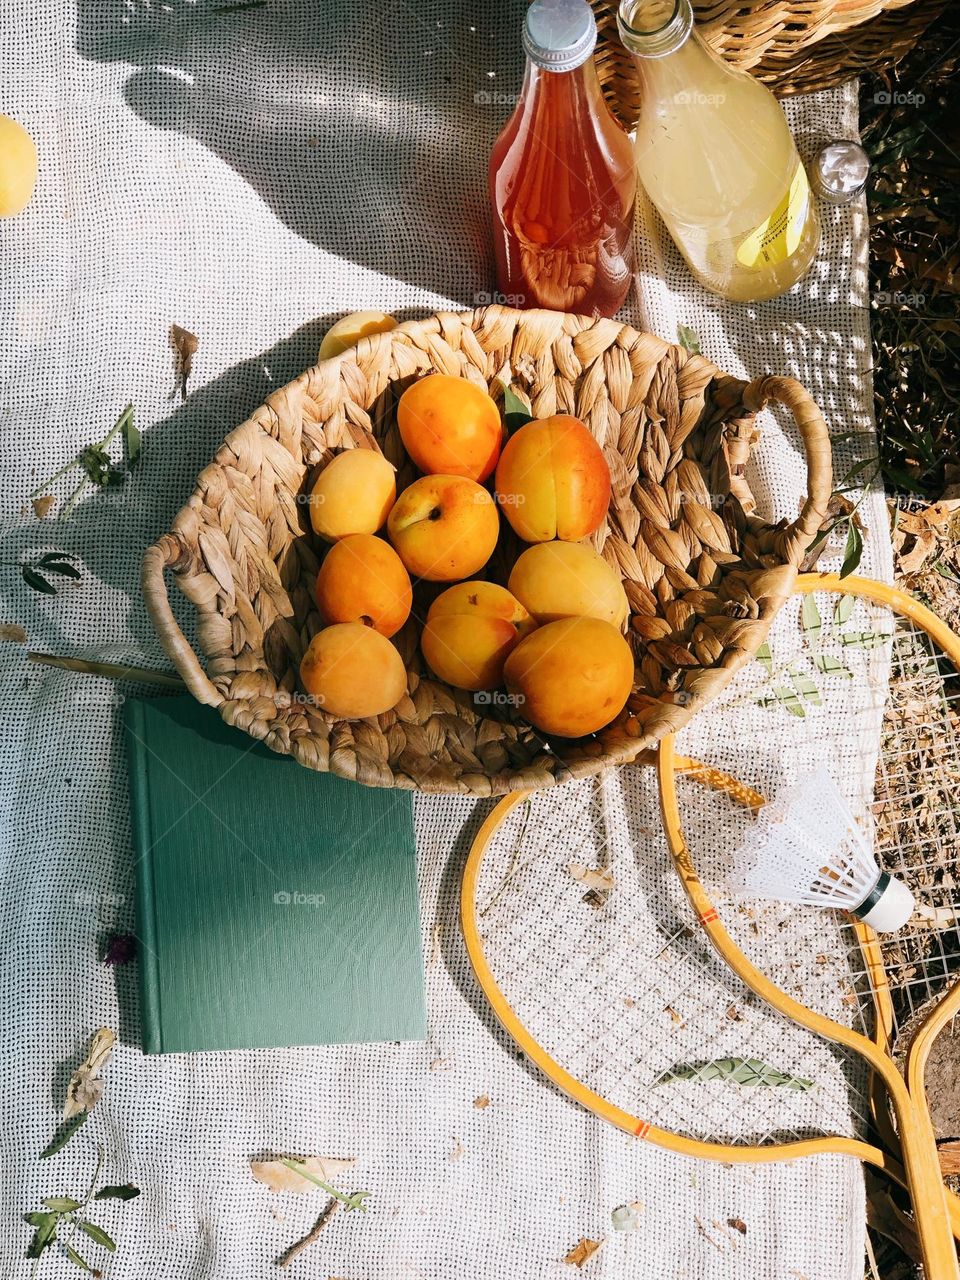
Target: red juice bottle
562 176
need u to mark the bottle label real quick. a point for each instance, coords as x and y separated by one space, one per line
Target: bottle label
777 238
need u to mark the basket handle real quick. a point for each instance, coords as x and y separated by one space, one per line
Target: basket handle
175 644
816 444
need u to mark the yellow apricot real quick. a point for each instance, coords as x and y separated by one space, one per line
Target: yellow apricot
354 493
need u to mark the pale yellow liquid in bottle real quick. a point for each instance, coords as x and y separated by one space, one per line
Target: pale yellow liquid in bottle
717 159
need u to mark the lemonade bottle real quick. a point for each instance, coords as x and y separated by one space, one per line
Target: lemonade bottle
562 178
717 159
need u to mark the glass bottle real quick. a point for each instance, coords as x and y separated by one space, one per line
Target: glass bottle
717 158
562 177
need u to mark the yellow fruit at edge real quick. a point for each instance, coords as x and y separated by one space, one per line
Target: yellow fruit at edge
354 493
348 331
18 167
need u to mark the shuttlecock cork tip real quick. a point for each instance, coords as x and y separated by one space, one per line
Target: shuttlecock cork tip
888 906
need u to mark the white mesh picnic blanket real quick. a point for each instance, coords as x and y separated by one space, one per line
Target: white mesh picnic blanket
252 176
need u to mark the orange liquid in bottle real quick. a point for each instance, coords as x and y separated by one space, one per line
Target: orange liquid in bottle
562 187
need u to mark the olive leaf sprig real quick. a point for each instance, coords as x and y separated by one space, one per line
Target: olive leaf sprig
63 1217
745 1071
35 572
97 466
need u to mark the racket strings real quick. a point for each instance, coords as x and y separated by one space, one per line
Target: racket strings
591 940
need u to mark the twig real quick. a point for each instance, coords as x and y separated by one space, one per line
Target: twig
296 1249
112 670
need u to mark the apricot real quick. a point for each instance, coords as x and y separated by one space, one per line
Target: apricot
470 630
444 527
568 579
18 167
363 579
348 331
553 480
571 677
353 494
353 671
450 427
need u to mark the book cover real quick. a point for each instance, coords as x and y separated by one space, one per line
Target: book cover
275 905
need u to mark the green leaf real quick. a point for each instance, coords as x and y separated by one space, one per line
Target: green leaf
62 1204
688 339
810 617
853 551
830 666
864 639
63 1135
76 1259
806 688
97 1233
789 700
842 612
37 581
127 1192
61 567
99 467
352 1201
745 1071
515 412
58 556
45 1234
765 658
131 437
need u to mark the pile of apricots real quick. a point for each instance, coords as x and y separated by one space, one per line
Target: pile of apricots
553 635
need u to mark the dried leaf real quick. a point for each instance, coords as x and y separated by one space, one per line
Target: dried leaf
765 658
185 346
582 1251
13 632
482 1102
43 505
738 1224
599 879
278 1177
86 1083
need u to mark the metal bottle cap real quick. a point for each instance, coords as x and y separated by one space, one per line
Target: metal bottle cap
559 35
840 171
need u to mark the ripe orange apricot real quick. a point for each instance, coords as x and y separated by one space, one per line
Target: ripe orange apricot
470 630
353 671
568 579
553 480
450 427
362 579
444 527
571 677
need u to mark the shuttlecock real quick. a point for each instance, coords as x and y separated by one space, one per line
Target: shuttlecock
807 847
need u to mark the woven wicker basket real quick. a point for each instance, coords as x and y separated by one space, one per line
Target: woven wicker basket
795 46
703 573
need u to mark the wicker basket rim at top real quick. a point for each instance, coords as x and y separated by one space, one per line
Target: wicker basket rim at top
243 556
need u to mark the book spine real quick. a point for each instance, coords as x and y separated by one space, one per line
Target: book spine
144 897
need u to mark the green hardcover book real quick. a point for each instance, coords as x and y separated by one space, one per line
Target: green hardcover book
275 905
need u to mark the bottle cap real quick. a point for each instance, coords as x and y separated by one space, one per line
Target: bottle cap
888 906
559 35
840 171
